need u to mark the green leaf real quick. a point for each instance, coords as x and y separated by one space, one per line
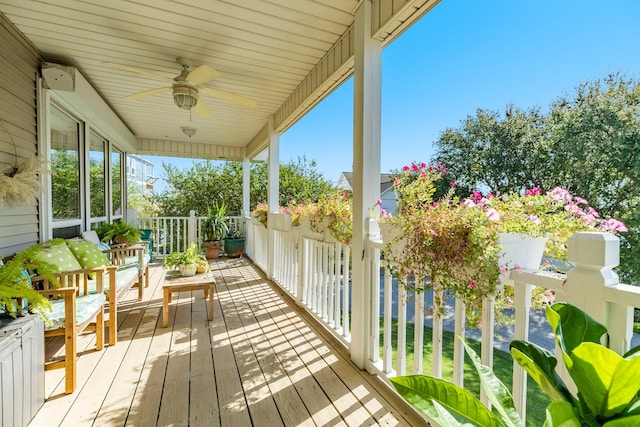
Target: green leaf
594 370
445 419
572 326
498 394
421 391
540 364
561 414
634 352
632 421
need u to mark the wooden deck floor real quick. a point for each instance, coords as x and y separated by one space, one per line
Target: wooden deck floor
259 362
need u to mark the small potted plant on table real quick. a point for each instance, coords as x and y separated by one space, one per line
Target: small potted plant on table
186 262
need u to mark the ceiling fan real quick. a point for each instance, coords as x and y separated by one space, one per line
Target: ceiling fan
186 87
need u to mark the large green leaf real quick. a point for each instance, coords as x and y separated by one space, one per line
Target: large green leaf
561 414
540 364
498 394
572 326
634 352
445 419
421 391
608 383
633 421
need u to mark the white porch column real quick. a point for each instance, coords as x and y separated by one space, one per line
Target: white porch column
273 194
246 187
366 174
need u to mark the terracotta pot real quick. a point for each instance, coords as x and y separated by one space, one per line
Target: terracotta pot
212 249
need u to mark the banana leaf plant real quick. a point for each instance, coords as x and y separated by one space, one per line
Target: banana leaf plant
608 384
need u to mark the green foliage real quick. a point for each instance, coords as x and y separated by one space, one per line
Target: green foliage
588 143
65 184
209 182
189 257
14 285
426 392
144 203
216 225
110 232
607 383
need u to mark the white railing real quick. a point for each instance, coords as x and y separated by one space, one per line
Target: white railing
313 268
175 234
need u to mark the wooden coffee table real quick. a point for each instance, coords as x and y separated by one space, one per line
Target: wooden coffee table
174 282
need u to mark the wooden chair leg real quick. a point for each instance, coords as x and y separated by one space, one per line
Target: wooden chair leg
113 320
69 343
100 330
146 276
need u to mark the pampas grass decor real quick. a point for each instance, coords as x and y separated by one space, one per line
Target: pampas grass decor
20 184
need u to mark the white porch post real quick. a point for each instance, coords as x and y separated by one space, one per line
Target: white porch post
366 174
246 187
273 197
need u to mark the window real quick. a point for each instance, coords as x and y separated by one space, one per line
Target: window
65 166
97 194
116 182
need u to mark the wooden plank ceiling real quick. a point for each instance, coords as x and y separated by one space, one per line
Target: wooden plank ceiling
266 50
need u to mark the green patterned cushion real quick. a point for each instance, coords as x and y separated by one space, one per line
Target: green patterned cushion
59 256
88 254
86 307
124 275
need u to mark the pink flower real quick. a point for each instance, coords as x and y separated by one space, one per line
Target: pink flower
614 225
559 194
396 181
581 201
384 213
423 173
535 191
453 184
405 169
509 300
517 268
472 284
423 165
593 212
442 169
475 196
469 203
414 166
493 215
503 270
436 204
379 202
490 196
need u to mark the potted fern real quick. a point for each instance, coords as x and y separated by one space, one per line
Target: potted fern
118 232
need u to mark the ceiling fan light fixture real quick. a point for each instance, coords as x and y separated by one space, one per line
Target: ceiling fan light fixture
189 131
185 96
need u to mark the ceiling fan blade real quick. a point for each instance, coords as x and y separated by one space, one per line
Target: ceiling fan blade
148 93
138 71
202 74
231 97
201 109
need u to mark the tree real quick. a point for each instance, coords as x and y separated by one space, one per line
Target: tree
588 143
208 182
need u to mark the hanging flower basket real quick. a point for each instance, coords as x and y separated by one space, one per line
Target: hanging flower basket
20 183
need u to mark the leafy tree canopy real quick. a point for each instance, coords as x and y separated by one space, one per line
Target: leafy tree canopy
208 182
588 143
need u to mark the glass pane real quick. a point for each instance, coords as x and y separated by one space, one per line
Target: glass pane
65 166
96 176
116 181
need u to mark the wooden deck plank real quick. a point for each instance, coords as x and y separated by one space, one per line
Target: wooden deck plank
260 361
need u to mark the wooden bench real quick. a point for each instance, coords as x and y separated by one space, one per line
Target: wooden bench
78 306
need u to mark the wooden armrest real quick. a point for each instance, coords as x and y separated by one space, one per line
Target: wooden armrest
67 290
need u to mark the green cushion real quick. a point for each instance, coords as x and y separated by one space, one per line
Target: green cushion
88 254
59 256
86 307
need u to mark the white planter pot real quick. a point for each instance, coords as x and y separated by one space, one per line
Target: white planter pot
521 249
188 270
392 233
307 231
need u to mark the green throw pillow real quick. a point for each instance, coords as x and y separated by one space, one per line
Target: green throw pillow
59 256
88 254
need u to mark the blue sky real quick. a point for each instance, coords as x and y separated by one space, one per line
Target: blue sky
465 55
